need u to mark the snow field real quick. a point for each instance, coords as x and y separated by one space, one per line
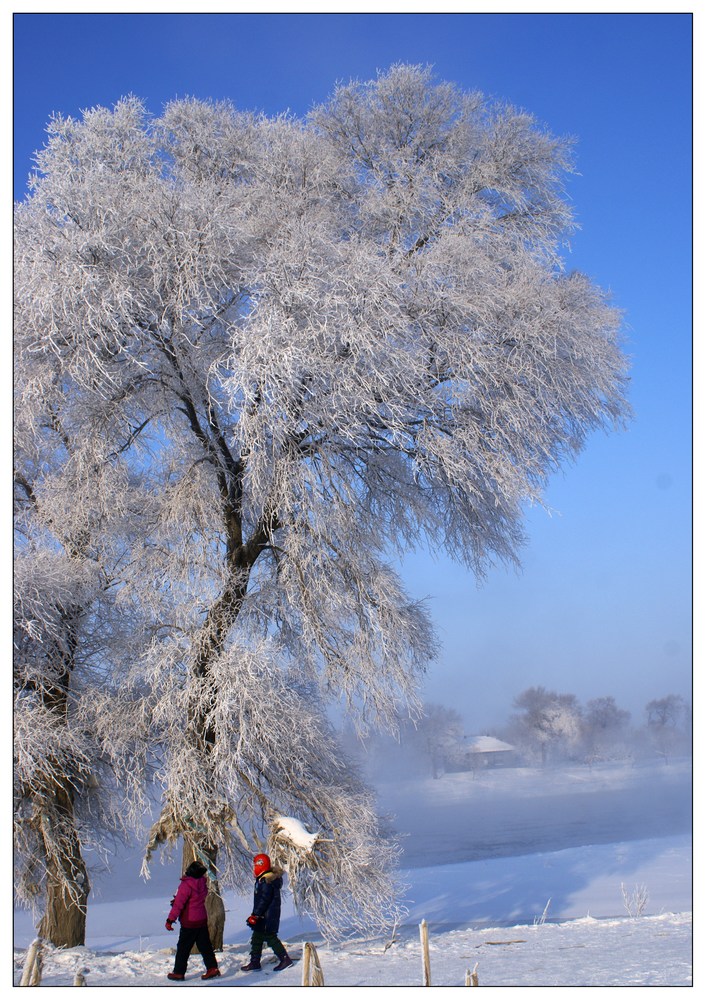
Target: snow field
648 951
127 945
552 914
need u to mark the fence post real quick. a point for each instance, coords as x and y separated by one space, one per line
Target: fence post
32 971
426 967
312 973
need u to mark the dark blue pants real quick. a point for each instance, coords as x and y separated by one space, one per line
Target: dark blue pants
188 937
260 938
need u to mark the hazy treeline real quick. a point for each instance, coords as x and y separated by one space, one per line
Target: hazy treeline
547 726
544 727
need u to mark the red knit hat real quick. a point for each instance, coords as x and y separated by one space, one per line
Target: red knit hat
261 864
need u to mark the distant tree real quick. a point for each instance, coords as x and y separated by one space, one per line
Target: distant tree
325 339
437 735
666 713
548 724
605 728
668 724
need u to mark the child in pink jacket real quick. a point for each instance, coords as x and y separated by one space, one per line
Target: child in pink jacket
189 907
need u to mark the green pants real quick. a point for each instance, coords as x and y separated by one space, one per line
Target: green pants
260 938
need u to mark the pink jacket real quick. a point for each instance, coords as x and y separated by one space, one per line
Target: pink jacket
189 905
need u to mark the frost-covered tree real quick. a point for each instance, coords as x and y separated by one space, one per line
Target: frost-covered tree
547 724
53 760
668 712
605 729
437 735
80 739
344 336
669 725
77 735
76 741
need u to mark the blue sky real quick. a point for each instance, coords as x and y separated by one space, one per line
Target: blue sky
603 603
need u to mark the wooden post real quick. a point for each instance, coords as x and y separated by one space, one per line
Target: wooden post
472 977
32 971
312 973
305 964
79 979
426 966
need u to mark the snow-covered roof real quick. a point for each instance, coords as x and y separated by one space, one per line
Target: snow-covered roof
487 744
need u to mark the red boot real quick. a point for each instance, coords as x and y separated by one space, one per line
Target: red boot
174 975
211 973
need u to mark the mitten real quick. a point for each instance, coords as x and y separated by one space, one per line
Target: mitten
169 925
253 921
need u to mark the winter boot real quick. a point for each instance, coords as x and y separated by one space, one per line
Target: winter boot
252 966
211 973
174 975
284 963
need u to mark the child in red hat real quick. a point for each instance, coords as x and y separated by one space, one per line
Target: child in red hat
264 918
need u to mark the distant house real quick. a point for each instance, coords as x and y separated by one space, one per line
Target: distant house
480 751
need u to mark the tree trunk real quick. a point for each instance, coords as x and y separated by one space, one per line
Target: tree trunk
64 920
215 907
219 621
208 645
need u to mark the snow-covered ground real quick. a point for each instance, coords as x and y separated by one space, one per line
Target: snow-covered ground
524 878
